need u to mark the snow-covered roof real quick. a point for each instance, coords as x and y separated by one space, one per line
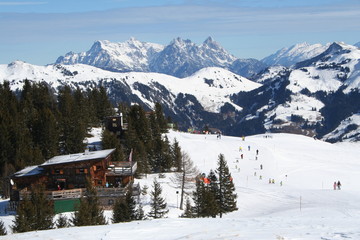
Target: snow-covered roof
77 157
29 171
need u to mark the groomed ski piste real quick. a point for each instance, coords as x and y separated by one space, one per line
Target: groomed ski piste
300 204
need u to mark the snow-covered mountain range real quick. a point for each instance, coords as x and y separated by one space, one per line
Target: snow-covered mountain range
181 58
294 54
189 101
131 55
314 97
308 89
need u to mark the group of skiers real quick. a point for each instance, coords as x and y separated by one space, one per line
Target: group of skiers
271 180
337 185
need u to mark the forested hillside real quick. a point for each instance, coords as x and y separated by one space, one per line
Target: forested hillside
36 124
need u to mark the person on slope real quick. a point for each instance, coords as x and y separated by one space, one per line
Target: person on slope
338 185
335 185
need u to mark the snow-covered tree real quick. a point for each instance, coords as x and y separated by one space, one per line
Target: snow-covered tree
62 221
140 215
158 205
188 212
2 228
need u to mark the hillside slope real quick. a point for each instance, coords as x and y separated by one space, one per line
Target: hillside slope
304 207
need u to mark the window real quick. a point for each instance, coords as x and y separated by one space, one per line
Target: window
81 170
58 171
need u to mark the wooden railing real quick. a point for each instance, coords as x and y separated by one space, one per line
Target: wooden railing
122 168
118 192
78 192
71 193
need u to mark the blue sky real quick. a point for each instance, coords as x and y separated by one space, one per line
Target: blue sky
40 31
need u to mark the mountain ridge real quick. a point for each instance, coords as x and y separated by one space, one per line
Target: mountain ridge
313 97
180 58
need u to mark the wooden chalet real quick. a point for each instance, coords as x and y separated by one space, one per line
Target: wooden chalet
65 177
116 125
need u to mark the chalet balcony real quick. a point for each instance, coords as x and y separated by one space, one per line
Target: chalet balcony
79 192
118 192
122 169
54 195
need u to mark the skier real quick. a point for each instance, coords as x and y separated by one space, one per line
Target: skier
339 185
242 156
257 151
249 147
335 185
280 183
260 166
240 149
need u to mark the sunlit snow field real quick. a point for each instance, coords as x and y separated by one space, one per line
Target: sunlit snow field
304 207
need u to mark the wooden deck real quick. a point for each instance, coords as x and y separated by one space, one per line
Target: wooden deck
79 192
122 168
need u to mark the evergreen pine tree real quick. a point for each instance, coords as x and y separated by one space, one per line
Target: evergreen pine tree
227 196
24 218
73 129
39 108
176 155
162 161
188 210
121 211
89 211
44 208
62 221
35 212
109 140
158 204
139 213
103 104
205 200
160 118
2 228
142 159
130 201
124 209
7 170
140 148
198 197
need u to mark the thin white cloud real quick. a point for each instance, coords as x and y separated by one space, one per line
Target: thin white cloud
163 23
